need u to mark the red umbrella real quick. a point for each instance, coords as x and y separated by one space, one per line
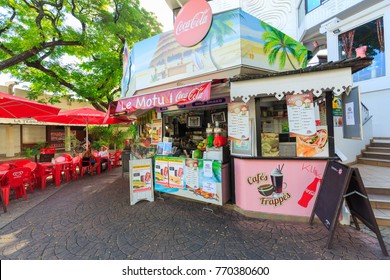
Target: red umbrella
18 107
85 116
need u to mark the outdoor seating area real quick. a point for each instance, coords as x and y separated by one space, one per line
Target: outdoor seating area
22 176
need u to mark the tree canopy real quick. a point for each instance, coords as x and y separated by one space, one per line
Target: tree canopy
63 46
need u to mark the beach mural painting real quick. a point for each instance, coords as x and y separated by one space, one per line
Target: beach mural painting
235 38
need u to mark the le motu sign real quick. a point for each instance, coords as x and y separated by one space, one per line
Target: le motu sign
193 22
180 96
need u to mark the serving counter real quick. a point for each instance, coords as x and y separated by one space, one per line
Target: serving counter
277 186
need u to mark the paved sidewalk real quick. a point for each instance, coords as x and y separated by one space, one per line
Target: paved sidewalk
91 219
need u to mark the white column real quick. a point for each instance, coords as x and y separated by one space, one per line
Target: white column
10 151
67 138
332 41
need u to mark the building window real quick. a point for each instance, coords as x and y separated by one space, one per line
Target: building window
366 40
312 4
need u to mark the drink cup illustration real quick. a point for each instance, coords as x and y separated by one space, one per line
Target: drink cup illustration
277 180
147 176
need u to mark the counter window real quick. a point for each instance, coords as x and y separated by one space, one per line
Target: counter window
294 126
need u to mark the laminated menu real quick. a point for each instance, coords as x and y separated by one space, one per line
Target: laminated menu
301 116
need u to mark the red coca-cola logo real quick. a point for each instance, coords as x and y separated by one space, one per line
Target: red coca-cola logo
193 22
192 96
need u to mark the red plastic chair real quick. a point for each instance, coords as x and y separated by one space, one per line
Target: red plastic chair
76 164
4 167
65 167
68 157
43 173
20 163
87 167
116 158
33 166
108 162
15 179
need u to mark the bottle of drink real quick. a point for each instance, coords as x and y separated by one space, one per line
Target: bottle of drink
309 193
210 135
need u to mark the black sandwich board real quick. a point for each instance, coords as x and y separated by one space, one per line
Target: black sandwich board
338 183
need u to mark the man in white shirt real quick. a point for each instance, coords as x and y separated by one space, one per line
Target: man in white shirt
104 155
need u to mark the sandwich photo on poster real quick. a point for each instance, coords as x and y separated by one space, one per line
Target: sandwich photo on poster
315 145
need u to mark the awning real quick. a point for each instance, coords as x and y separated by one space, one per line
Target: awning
336 80
174 96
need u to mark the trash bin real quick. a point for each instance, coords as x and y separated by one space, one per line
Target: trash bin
125 161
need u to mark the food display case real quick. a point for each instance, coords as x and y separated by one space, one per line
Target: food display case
141 150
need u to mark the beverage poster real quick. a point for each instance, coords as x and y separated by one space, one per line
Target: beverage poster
301 115
238 121
337 112
161 170
176 172
278 186
141 180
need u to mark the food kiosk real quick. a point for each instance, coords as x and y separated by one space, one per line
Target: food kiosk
230 86
279 171
188 144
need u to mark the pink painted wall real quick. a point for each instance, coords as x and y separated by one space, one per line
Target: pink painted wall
301 178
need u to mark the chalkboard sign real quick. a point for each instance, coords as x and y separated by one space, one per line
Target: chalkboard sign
339 182
331 192
358 204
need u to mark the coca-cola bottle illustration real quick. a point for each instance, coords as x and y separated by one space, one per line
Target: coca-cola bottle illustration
309 192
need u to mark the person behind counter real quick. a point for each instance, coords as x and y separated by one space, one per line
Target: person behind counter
88 158
104 154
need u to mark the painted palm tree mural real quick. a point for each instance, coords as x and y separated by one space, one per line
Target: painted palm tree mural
221 27
280 46
235 39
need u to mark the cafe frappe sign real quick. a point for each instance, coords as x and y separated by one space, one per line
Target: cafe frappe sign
193 22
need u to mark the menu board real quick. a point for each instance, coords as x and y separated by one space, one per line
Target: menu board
141 180
57 136
238 121
192 177
301 116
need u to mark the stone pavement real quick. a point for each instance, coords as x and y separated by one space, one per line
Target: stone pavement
91 219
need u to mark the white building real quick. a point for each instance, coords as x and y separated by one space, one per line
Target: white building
333 26
334 30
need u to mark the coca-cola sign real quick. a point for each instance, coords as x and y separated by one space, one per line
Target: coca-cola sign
183 95
193 22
